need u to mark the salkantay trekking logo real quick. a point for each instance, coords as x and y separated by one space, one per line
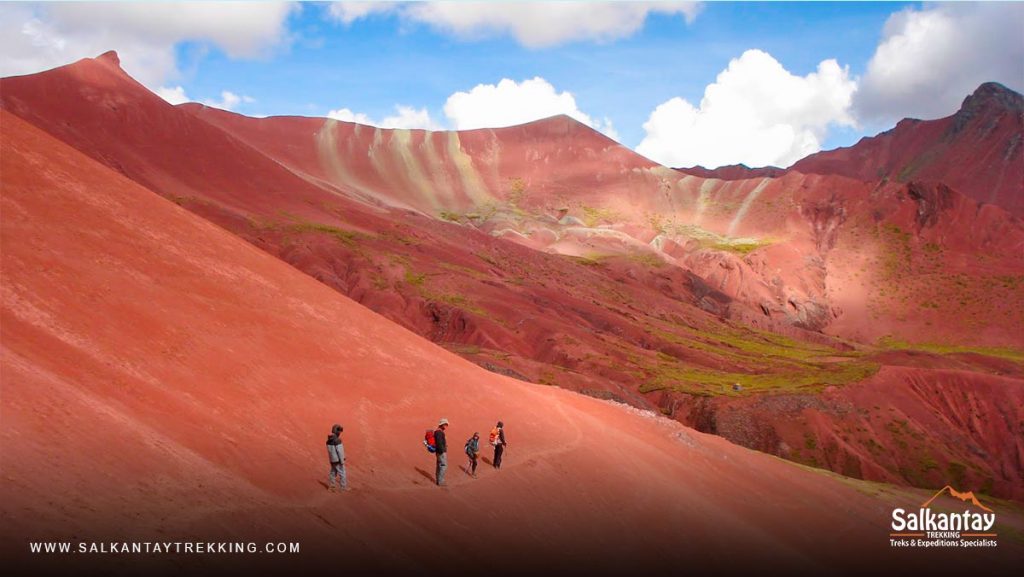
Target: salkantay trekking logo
928 528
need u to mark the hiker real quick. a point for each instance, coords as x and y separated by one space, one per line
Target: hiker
497 440
336 454
441 452
473 452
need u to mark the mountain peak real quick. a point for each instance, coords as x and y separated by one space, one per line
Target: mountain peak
110 57
992 94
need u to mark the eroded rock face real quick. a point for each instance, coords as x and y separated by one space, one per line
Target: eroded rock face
932 200
919 426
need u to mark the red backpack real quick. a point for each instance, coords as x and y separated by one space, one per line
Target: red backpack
493 438
428 440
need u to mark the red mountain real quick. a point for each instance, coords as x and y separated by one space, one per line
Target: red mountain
978 151
552 254
185 381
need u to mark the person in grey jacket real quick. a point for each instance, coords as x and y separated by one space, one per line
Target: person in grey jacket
336 454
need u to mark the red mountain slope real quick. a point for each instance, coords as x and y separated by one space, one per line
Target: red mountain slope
978 151
663 288
184 382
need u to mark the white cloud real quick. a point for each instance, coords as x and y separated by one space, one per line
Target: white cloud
409 117
174 95
228 100
532 24
35 37
756 113
346 115
404 117
349 12
929 59
508 102
488 106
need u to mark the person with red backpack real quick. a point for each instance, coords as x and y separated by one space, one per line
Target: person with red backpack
497 440
441 452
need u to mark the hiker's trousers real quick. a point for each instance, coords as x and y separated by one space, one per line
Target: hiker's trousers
442 466
337 471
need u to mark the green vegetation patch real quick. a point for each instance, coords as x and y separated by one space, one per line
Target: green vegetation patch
592 215
346 237
742 246
1007 353
672 376
451 216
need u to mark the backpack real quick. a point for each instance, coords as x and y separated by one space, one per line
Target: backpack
428 440
493 439
469 448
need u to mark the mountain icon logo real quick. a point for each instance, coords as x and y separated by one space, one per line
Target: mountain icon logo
967 496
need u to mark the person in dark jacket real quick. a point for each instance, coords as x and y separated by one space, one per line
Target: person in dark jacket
336 455
499 445
473 452
442 452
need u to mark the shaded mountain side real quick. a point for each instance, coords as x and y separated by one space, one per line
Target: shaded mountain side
622 278
979 150
935 422
97 344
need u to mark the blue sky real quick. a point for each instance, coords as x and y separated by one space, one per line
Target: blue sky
305 60
374 64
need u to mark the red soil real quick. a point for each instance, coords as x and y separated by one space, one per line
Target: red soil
163 379
363 210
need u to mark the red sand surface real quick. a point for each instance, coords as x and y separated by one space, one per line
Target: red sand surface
163 379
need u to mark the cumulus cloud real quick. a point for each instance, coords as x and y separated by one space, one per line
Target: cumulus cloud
756 113
349 12
174 95
35 37
346 115
409 117
404 117
488 106
532 24
929 59
509 102
228 100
